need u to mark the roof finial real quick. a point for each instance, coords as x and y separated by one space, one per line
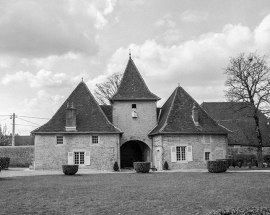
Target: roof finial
178 84
129 53
82 79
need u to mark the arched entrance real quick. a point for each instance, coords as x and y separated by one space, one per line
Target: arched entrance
133 151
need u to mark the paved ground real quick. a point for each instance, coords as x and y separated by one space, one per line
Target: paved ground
14 172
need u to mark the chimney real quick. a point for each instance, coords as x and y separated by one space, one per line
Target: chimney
70 118
195 114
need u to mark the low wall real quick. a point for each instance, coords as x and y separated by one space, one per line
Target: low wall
20 156
246 150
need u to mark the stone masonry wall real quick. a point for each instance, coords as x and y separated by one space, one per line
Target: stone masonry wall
135 128
49 155
215 144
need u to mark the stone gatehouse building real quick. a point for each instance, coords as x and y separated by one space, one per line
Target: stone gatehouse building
131 129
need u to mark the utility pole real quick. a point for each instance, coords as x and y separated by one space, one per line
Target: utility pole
13 129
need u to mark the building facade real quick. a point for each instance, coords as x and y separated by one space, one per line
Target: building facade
131 129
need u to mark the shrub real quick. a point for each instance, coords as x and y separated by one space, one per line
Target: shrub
70 169
239 163
166 165
230 162
4 162
115 166
241 211
217 166
142 167
254 162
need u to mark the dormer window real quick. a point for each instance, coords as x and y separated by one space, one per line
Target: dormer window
134 111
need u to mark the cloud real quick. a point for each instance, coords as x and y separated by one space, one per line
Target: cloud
166 20
192 16
195 64
33 29
43 78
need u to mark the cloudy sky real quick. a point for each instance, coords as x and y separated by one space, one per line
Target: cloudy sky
47 46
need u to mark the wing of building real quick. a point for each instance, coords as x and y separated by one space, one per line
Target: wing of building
131 129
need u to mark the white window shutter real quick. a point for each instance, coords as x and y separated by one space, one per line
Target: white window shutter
87 158
189 153
70 158
173 154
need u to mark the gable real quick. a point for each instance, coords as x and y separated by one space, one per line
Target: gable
176 117
90 117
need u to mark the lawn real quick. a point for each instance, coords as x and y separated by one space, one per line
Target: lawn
153 193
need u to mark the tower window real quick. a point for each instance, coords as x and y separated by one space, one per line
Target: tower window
133 105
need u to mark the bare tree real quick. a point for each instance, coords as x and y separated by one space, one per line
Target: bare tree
248 81
107 89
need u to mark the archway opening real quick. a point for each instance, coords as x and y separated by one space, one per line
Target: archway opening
133 151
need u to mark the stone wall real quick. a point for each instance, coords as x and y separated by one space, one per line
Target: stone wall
49 155
135 128
246 150
20 156
215 144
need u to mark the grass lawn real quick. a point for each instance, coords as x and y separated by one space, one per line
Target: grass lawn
153 193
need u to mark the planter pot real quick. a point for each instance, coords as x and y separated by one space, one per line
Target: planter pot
142 167
70 169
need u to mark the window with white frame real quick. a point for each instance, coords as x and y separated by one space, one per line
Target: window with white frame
94 139
59 139
78 157
207 156
180 153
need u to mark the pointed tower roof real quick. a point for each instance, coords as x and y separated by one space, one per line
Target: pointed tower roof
90 117
132 86
176 117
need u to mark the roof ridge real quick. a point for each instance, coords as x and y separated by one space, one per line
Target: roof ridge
165 123
100 108
142 77
58 108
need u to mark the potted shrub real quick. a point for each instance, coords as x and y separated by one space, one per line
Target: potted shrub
115 166
141 167
70 169
217 166
166 165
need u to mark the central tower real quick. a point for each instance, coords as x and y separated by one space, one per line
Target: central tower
135 111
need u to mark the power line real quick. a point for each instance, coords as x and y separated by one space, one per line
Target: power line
4 119
33 117
26 125
28 121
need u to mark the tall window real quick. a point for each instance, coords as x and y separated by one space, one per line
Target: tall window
180 153
79 157
59 139
207 156
94 139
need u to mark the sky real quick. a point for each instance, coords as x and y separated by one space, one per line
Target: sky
48 46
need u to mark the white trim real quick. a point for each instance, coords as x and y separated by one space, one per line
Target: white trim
74 157
186 153
71 128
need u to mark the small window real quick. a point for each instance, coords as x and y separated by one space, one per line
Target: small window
134 106
181 153
94 139
59 139
79 157
207 156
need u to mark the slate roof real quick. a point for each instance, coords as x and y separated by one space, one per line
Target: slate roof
90 117
132 86
176 117
107 109
237 118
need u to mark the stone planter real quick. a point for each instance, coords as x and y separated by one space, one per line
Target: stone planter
70 169
142 167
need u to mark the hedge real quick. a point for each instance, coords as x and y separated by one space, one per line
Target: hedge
20 156
142 167
70 169
217 166
242 211
4 162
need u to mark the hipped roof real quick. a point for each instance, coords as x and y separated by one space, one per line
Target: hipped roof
176 117
132 86
237 116
90 117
